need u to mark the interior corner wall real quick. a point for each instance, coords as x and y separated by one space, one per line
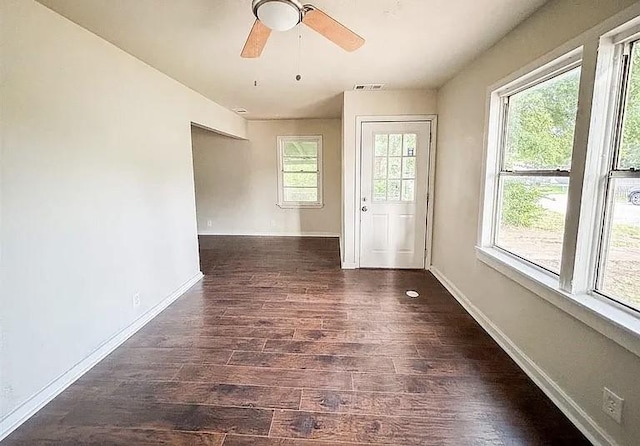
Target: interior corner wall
236 181
579 360
97 195
370 103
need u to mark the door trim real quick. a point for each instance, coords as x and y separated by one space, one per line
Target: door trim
433 120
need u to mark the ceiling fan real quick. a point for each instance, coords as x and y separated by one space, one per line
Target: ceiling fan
283 15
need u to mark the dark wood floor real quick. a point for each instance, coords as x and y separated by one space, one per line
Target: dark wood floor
279 347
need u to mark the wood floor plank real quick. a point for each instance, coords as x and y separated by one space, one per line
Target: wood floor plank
290 313
449 407
242 440
363 336
101 436
165 416
313 362
188 342
115 370
276 322
286 306
379 326
152 355
439 367
265 377
222 331
212 394
402 349
377 429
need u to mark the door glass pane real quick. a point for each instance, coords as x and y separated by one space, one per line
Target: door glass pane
620 263
630 142
300 194
409 144
393 190
408 192
395 164
395 145
380 190
531 219
540 124
408 167
298 164
301 148
381 144
380 169
300 179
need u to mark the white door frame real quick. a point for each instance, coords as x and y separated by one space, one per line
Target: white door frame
433 120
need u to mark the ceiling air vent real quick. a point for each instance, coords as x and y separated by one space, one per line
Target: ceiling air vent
358 87
240 111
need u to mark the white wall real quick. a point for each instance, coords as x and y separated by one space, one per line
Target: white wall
578 359
236 181
369 103
97 193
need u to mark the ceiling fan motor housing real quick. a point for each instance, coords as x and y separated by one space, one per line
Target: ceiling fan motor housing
278 15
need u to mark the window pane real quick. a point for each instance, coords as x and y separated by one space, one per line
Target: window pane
619 273
304 195
409 144
408 190
380 190
300 179
531 223
301 148
395 165
540 124
393 190
292 164
630 142
395 145
380 168
408 167
381 144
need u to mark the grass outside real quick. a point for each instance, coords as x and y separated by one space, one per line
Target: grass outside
542 244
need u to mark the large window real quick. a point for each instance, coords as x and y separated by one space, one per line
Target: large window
619 257
537 123
300 171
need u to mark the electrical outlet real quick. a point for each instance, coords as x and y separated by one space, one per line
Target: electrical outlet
136 300
612 405
209 223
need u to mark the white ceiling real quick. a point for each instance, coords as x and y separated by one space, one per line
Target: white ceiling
409 44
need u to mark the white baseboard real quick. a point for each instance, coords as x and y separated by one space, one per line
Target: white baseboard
347 265
272 234
568 406
21 414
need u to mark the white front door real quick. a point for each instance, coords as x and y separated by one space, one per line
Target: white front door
393 194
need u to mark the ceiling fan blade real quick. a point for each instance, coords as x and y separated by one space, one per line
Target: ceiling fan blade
256 41
332 30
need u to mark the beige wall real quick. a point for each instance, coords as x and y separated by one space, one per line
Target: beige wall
97 195
580 360
236 181
369 103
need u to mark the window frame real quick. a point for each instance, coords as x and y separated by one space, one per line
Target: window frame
282 203
552 72
622 49
495 154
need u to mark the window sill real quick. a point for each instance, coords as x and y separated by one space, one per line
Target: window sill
597 312
300 206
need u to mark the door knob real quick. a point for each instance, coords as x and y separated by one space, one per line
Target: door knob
364 209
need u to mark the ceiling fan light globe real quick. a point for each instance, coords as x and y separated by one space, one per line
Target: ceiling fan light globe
277 14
